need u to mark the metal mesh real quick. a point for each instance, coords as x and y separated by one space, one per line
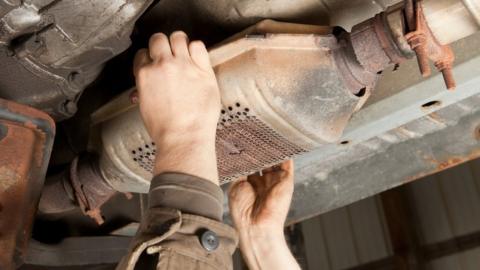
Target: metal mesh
244 145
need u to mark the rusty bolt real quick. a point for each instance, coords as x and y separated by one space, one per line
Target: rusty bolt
447 73
445 65
417 41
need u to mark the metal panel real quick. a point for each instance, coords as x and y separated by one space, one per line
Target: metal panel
52 50
462 200
445 218
468 260
427 199
395 139
315 246
26 139
346 237
339 239
446 263
447 204
371 240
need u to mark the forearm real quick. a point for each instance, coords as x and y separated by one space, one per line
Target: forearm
266 250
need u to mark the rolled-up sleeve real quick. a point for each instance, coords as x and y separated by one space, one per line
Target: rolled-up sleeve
183 226
187 193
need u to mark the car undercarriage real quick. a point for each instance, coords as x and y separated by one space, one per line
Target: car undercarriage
365 95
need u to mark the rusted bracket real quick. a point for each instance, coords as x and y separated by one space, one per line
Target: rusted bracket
426 46
90 189
26 139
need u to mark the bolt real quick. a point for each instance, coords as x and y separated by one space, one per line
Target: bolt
417 41
446 68
449 79
422 60
70 107
75 78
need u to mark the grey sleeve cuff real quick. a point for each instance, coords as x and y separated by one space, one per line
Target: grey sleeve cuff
187 193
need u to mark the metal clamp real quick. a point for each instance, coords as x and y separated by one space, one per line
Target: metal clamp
426 46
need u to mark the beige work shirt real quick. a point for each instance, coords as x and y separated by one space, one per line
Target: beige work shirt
182 228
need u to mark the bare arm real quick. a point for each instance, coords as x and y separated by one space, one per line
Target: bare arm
180 104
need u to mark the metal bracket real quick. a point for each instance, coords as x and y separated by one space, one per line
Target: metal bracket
26 139
426 46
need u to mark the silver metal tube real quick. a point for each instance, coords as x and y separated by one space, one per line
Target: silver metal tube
451 20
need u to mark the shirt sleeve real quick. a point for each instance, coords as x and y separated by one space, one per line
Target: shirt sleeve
182 227
187 193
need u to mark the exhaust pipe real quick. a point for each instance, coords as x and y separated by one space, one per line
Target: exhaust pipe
287 89
283 94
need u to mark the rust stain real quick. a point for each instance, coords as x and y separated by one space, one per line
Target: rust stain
21 165
441 165
435 118
8 178
427 47
26 111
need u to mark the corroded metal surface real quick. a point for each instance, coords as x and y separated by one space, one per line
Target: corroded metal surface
81 185
25 144
285 89
375 44
427 47
52 50
322 187
90 189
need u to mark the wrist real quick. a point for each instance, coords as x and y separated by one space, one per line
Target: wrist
173 138
262 237
263 249
192 154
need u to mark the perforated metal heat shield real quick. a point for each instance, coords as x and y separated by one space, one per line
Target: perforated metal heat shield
282 95
245 144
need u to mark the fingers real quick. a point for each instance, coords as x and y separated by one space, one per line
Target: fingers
162 47
268 170
284 180
288 167
241 198
199 54
159 47
257 182
141 59
237 188
179 44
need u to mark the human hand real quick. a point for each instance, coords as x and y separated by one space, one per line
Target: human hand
259 206
180 103
262 202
